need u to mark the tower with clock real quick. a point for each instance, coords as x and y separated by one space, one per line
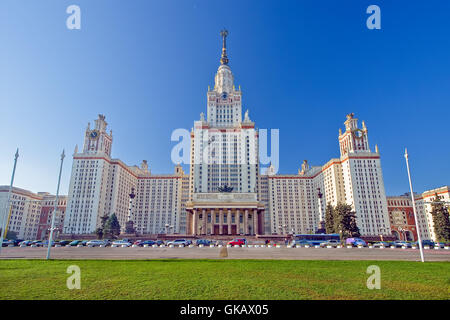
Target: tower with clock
97 140
363 178
354 139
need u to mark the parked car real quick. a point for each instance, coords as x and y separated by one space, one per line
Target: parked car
64 243
381 244
427 243
17 242
332 242
39 243
7 242
300 243
141 243
238 242
96 243
25 243
399 244
122 243
74 243
356 242
204 242
179 242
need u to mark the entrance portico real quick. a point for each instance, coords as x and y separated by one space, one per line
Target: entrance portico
225 214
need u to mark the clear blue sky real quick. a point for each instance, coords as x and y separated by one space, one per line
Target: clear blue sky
302 65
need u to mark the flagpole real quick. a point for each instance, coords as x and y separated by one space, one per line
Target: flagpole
50 239
419 240
9 200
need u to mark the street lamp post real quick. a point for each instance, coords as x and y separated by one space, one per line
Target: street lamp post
414 207
381 234
321 228
5 218
52 228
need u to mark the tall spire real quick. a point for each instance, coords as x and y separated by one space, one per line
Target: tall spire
224 58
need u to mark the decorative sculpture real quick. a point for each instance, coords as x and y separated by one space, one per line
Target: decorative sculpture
225 188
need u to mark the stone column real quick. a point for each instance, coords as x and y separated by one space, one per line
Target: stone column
238 223
213 220
261 222
220 221
255 221
194 222
245 221
189 222
205 219
229 221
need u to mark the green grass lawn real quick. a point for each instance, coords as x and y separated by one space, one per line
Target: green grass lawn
223 279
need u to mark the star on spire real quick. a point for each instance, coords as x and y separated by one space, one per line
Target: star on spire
224 58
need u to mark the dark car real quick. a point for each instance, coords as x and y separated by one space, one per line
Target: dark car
6 243
64 243
147 242
17 242
204 242
39 243
74 243
399 244
429 243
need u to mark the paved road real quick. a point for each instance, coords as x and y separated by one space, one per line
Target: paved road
233 253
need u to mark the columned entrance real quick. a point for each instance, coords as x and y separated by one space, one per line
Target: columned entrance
225 214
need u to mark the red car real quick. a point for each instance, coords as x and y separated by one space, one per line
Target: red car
238 242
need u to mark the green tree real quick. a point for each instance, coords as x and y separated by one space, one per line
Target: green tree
441 220
345 221
112 226
101 230
99 233
329 219
103 220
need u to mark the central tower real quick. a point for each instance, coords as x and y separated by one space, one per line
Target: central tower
224 161
224 102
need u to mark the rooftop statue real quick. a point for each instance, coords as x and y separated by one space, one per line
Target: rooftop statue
225 188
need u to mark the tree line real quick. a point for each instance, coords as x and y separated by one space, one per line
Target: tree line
109 227
341 219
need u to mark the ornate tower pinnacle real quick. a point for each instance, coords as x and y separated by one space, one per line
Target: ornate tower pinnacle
224 58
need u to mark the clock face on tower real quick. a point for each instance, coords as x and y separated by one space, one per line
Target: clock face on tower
224 95
358 133
94 134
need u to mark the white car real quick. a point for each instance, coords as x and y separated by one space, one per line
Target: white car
122 243
179 242
95 243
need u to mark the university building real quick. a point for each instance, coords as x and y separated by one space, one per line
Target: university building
29 214
402 216
225 192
